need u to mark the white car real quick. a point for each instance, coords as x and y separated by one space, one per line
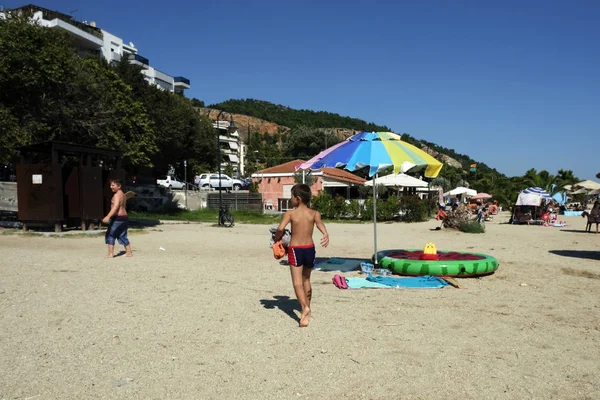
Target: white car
212 180
170 182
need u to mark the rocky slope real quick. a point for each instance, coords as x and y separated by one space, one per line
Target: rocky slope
246 124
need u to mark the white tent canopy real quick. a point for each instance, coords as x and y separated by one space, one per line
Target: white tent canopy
400 180
461 190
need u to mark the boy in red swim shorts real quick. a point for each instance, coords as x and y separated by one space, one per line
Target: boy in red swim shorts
301 253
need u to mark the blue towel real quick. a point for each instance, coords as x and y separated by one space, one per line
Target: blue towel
359 283
418 282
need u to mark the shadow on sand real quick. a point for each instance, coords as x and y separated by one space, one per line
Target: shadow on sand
592 255
285 304
575 231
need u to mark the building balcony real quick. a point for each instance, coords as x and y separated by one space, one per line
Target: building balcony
228 138
138 60
116 57
81 38
181 82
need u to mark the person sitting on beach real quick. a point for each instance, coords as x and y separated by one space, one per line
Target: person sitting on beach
594 216
301 253
117 220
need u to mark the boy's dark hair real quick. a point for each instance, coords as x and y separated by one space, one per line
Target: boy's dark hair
302 191
117 181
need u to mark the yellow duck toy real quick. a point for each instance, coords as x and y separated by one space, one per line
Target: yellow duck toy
430 252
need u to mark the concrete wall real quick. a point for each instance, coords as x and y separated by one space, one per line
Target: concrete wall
8 196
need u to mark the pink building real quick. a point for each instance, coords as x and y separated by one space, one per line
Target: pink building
276 183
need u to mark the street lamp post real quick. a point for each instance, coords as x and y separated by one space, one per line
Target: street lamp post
230 128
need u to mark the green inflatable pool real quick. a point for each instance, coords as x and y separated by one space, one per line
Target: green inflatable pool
450 263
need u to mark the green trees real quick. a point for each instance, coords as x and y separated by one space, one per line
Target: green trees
49 92
293 118
305 142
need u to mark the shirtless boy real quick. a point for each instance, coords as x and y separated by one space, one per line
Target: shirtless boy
301 253
117 220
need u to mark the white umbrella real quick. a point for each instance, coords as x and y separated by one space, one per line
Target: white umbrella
461 190
580 191
398 180
587 184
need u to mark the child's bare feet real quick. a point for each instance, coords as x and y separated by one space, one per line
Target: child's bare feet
304 318
128 254
109 256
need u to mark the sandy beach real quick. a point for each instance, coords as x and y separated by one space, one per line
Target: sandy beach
210 317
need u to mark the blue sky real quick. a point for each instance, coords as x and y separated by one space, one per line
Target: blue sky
514 84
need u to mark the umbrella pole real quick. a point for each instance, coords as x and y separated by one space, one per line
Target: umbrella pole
375 217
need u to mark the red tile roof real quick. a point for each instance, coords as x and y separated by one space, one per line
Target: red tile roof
334 173
342 175
288 167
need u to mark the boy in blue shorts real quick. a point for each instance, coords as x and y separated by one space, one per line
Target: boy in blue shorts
301 252
117 220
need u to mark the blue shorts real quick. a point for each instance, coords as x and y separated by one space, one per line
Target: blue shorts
117 230
302 256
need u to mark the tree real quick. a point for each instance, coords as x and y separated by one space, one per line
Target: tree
305 142
181 132
442 182
37 70
304 177
50 93
197 103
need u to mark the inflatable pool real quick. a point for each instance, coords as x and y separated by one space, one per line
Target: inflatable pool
447 263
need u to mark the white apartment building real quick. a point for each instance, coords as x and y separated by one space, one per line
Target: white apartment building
232 148
90 39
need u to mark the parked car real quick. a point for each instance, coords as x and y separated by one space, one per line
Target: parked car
170 182
212 180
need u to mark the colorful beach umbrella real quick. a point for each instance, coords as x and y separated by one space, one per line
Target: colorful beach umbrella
376 151
539 191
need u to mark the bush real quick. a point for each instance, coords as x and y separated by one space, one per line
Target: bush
471 227
413 209
253 187
387 209
353 210
323 204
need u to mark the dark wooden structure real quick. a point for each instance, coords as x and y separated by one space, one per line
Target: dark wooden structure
75 192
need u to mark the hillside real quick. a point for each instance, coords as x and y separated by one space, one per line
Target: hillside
293 118
264 117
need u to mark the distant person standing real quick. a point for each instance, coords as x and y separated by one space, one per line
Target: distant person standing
117 220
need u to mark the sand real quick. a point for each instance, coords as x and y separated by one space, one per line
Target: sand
211 318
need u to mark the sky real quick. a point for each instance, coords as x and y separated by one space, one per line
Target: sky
513 84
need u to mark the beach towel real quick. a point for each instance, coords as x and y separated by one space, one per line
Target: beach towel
417 282
383 282
362 283
338 264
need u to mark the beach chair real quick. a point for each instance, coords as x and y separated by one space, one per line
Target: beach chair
269 205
